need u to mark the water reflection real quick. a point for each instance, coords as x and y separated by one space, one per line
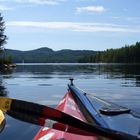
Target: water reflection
47 84
3 91
109 71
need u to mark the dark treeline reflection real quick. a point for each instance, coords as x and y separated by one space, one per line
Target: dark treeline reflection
6 71
127 71
3 91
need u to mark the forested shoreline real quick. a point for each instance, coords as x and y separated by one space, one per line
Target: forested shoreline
127 54
47 55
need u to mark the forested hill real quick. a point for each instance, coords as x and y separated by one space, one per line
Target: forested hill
127 54
47 55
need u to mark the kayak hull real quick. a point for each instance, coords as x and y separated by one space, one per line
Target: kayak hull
69 106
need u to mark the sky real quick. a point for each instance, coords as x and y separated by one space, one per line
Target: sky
71 24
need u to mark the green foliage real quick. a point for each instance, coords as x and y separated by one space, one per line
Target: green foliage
3 37
127 54
6 60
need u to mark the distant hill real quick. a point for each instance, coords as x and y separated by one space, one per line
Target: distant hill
47 55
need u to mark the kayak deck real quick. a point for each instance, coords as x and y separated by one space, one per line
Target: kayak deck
107 114
69 106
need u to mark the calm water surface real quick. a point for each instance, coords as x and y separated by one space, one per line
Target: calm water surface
47 84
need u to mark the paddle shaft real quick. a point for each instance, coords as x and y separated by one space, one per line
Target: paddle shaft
37 114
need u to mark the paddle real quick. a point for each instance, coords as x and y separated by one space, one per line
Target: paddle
36 114
2 121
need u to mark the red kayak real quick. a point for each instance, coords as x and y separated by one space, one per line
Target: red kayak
69 106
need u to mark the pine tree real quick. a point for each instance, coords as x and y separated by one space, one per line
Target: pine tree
3 37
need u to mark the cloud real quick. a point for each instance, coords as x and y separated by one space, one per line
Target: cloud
50 2
132 20
85 0
4 8
74 26
95 9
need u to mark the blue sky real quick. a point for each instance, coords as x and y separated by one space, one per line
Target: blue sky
71 24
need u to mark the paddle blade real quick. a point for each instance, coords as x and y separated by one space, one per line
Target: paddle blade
22 110
5 104
2 121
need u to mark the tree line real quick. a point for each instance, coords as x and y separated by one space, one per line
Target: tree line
3 37
126 54
3 40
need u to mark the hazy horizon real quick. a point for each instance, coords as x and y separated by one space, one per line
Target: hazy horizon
65 49
48 48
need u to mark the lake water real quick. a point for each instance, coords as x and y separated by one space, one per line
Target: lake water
47 84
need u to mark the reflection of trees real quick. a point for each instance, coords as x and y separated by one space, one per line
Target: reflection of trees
138 81
127 71
107 70
6 70
111 69
3 91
